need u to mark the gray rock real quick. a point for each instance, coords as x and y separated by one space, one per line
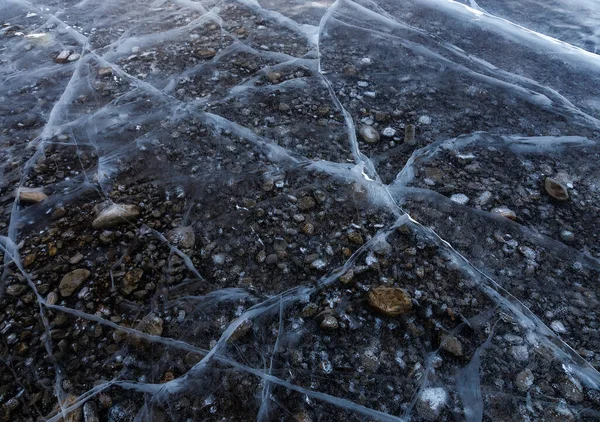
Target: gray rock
524 380
452 345
182 237
556 189
409 135
71 281
369 134
115 215
329 322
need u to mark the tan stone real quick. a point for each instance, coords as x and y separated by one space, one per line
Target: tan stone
390 301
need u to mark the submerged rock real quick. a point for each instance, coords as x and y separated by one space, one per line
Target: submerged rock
71 281
369 134
114 215
556 189
391 301
30 196
182 237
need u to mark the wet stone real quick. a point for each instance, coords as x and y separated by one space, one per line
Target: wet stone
72 281
131 280
31 196
556 189
114 215
524 380
329 322
452 345
505 212
390 301
369 134
182 237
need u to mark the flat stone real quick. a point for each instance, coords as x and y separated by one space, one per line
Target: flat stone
390 301
30 196
206 53
74 57
369 134
105 71
131 280
505 212
182 237
452 345
556 189
114 215
71 281
63 56
460 198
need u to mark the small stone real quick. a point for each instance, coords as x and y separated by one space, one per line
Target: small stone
369 134
356 238
520 353
16 290
329 323
556 189
567 236
76 414
29 260
30 196
431 402
71 281
347 277
241 330
349 70
388 132
505 212
558 327
105 71
206 53
390 301
106 237
524 380
409 135
115 215
151 324
52 298
63 56
76 259
306 203
425 120
182 237
452 345
131 280
74 57
460 198
318 264
308 228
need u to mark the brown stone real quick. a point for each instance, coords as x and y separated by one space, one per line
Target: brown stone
72 281
30 196
556 189
206 53
390 301
114 215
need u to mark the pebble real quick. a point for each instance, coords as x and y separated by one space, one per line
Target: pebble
356 238
182 237
425 120
131 280
369 134
567 236
558 327
71 281
556 189
306 203
63 56
505 212
347 277
520 353
524 380
329 323
105 71
241 330
572 390
76 259
409 135
52 298
460 198
16 290
30 196
74 57
388 132
431 402
390 301
114 215
452 345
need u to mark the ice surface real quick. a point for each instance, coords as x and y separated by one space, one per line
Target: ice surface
260 167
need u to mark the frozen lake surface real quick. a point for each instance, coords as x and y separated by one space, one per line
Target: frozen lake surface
300 211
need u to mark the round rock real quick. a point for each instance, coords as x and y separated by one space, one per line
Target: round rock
369 134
